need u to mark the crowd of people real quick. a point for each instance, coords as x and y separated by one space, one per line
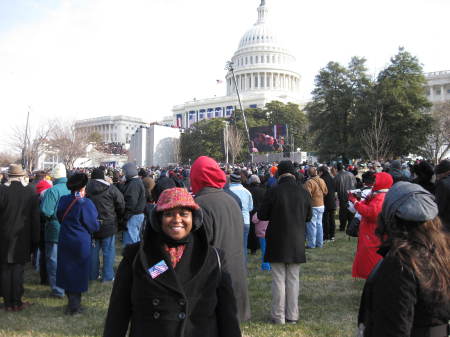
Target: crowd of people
185 233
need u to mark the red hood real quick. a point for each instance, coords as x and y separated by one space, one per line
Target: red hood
205 172
383 181
42 186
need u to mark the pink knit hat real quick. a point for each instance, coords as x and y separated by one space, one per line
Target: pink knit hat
175 197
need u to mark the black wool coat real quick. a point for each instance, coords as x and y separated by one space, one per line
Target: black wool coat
19 222
329 199
134 195
394 303
287 207
224 225
110 205
194 299
258 192
442 193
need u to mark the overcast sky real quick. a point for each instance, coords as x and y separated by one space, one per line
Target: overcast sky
75 59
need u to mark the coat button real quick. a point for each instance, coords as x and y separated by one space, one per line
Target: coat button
182 302
156 315
155 302
182 315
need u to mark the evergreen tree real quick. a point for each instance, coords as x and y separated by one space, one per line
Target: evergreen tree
400 93
204 138
340 98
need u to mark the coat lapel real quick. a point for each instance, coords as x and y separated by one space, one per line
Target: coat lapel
168 278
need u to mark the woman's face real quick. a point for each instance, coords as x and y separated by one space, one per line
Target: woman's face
177 223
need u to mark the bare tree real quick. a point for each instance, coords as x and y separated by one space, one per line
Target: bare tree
7 158
69 143
438 141
375 139
32 143
235 142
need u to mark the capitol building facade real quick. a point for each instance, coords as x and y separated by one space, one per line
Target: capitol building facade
264 70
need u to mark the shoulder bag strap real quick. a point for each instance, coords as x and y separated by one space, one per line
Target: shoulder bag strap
69 208
318 184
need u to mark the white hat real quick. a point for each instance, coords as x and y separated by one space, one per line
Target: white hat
59 171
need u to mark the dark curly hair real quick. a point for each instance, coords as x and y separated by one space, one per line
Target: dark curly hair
423 248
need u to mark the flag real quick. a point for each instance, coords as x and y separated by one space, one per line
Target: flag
158 269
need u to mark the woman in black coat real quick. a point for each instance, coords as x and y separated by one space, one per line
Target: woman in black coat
258 192
287 206
19 235
408 292
173 283
329 200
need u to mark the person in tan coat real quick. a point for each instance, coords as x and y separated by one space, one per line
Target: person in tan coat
318 190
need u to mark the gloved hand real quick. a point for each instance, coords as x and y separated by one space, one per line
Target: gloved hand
352 198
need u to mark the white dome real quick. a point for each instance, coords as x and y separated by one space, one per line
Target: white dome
262 62
260 34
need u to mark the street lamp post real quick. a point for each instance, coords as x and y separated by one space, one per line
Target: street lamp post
225 141
229 67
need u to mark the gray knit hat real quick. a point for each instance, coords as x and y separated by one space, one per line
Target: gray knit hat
130 170
254 179
409 202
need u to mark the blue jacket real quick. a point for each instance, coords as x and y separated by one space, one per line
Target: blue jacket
74 248
246 199
49 206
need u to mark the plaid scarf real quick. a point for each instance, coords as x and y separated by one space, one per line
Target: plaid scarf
175 253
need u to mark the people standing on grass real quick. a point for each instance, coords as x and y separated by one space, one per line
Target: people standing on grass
79 220
329 200
408 293
344 181
173 283
258 193
134 195
223 223
19 235
41 185
246 201
110 207
287 207
49 206
366 256
317 189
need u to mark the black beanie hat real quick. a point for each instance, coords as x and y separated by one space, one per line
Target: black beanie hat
77 181
98 173
442 167
285 166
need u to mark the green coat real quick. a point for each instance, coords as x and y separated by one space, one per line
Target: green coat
49 206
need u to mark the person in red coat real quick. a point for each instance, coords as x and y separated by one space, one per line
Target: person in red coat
366 256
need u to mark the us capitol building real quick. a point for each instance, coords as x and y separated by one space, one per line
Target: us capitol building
264 70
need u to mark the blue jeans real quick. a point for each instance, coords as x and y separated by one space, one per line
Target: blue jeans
246 231
133 231
314 229
51 253
107 245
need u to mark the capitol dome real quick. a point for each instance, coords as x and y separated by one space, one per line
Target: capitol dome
260 34
261 62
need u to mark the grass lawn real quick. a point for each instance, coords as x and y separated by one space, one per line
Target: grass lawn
329 300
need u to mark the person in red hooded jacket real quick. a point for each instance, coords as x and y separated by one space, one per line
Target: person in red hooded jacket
224 225
366 256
